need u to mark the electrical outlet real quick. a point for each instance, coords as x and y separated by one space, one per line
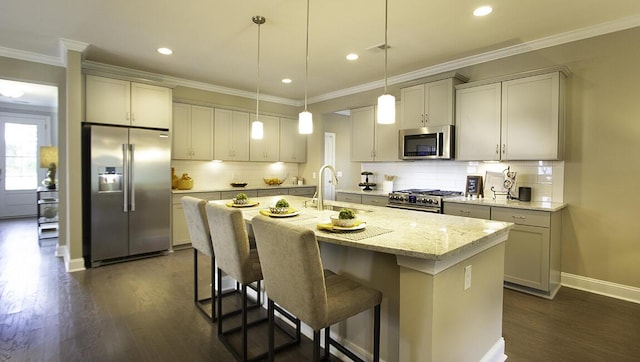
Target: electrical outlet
339 174
467 277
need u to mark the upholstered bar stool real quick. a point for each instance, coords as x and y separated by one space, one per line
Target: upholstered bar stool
198 228
234 257
295 279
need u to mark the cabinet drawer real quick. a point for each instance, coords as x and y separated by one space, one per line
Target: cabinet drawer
345 197
273 192
375 200
475 211
302 191
522 217
225 195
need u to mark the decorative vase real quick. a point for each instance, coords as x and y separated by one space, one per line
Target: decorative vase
185 182
174 178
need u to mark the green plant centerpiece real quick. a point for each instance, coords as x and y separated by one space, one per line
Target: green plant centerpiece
241 199
281 207
346 218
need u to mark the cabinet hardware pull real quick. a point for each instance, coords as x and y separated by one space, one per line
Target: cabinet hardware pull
518 217
465 211
504 148
497 149
128 116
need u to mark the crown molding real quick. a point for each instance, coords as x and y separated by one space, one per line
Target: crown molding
30 56
558 39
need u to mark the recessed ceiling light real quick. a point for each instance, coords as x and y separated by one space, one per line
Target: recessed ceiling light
165 51
482 11
352 56
286 81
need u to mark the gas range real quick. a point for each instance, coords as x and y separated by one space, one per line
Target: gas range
420 199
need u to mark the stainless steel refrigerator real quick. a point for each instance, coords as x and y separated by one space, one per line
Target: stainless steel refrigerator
127 193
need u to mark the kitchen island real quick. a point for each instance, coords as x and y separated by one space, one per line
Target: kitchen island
441 277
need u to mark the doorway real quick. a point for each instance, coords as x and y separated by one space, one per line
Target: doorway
329 189
28 120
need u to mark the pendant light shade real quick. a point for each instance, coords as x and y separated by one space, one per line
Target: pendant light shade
386 102
305 123
257 127
305 118
386 109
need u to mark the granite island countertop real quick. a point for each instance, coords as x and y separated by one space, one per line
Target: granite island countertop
407 233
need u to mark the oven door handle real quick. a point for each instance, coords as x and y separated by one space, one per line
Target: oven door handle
434 210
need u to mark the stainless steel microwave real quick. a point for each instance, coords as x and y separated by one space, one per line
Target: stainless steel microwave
427 143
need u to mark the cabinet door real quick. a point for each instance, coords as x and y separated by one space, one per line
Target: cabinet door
362 134
107 100
231 136
478 123
386 142
412 103
201 133
181 132
438 103
293 145
526 259
268 148
530 118
150 106
179 229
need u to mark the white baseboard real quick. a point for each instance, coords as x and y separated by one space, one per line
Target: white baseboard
495 353
61 250
74 265
613 290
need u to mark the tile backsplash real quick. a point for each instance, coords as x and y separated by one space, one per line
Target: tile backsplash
546 178
216 174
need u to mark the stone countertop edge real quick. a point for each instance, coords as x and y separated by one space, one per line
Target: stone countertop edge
514 204
239 189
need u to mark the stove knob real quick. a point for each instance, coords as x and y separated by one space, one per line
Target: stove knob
429 201
435 202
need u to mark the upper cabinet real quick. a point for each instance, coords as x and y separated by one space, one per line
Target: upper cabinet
429 104
371 141
231 135
516 119
267 148
293 145
192 132
120 102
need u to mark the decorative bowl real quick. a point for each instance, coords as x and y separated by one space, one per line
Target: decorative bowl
345 223
238 184
278 210
273 181
240 202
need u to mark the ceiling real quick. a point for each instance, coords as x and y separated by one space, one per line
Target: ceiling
215 42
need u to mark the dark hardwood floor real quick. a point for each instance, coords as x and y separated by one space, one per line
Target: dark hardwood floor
143 311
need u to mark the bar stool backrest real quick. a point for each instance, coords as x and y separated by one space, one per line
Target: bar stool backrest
292 269
194 212
230 242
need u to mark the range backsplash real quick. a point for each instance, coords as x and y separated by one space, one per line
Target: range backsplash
546 178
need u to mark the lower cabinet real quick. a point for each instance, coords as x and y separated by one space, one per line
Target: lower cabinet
348 197
179 231
532 252
375 200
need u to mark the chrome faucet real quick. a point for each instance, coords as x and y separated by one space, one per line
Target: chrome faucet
321 182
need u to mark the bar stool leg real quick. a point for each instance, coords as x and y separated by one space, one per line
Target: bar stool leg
219 283
316 346
376 334
244 322
327 343
271 312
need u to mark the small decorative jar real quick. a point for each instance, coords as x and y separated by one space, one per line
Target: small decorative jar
185 182
174 178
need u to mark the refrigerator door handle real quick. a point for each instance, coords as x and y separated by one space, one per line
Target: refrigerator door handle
132 175
125 171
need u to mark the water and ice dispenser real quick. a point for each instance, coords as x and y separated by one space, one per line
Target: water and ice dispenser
110 179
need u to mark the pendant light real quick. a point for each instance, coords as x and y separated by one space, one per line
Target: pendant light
305 118
257 127
386 102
